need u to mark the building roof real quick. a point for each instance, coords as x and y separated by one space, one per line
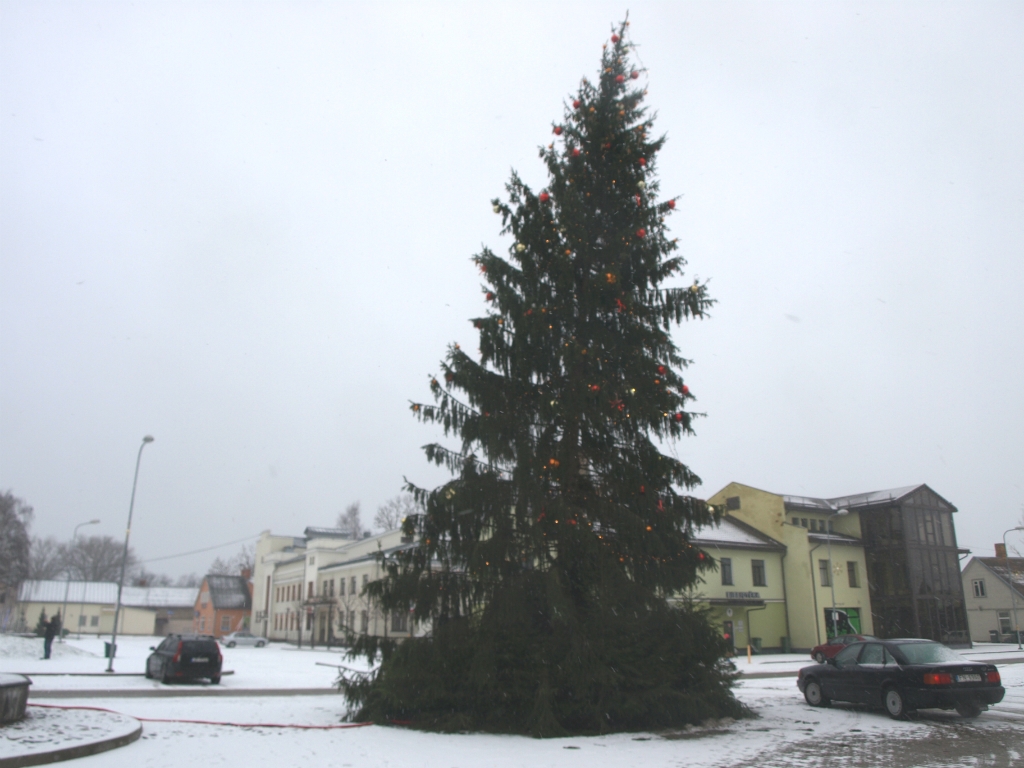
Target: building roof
105 593
228 591
327 533
856 500
835 538
732 533
1005 567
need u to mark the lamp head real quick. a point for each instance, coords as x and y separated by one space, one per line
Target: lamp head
93 522
147 439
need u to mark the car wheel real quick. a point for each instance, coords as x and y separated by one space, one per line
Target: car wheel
215 679
260 643
814 695
149 675
895 704
231 644
165 676
819 657
968 708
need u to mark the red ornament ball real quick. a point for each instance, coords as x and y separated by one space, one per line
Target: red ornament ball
642 161
634 74
620 78
686 390
575 152
639 200
678 417
576 104
661 369
558 130
544 197
700 555
641 233
671 204
615 38
489 296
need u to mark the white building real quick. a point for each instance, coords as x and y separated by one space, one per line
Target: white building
310 588
990 603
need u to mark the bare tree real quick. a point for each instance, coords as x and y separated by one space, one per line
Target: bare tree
188 580
349 521
244 559
98 558
392 512
15 516
146 579
48 559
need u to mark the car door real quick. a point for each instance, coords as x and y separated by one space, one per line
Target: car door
866 680
838 684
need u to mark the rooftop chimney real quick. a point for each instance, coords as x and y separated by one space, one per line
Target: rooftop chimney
246 573
1001 551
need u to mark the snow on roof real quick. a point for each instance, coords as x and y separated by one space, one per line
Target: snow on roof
52 591
228 591
729 531
105 593
846 502
159 597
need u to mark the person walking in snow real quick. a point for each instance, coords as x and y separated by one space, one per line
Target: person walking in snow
52 628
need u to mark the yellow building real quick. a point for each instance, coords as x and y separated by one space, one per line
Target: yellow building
746 595
824 556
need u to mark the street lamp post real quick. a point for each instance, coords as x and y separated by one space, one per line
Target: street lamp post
124 556
831 572
67 585
1013 589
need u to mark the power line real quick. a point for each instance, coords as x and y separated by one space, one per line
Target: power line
197 551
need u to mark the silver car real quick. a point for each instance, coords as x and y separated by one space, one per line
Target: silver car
243 637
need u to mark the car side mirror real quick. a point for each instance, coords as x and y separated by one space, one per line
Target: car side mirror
152 648
831 661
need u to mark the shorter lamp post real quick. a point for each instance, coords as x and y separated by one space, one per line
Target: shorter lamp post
1013 588
124 556
67 585
831 572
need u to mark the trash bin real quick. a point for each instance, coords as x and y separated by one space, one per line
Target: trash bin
993 635
756 642
786 647
109 649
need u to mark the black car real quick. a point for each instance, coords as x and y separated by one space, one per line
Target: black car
185 657
901 676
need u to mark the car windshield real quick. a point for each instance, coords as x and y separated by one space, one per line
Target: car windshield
928 653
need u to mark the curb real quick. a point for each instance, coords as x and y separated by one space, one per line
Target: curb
71 753
185 692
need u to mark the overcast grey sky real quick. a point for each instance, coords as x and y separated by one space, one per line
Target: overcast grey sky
245 229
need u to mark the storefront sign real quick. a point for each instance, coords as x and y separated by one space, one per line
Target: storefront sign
743 595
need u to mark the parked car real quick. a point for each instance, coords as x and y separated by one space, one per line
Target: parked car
828 650
185 657
902 676
243 637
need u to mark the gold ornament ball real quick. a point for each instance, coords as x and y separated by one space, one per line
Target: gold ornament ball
520 247
497 209
641 184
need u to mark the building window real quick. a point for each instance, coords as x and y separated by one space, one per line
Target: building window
733 502
851 572
353 585
979 588
310 590
726 565
364 621
366 580
341 587
803 522
1005 627
94 621
757 571
400 621
202 623
81 621
225 623
814 524
312 560
352 621
825 573
796 521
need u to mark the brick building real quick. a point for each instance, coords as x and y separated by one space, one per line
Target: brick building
223 605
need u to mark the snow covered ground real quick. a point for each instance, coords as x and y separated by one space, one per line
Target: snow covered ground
786 732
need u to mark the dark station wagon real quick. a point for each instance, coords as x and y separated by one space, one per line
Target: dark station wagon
185 657
902 676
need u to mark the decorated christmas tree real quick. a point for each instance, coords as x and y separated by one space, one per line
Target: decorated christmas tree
546 570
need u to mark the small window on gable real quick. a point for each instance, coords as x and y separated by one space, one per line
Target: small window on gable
733 502
979 588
